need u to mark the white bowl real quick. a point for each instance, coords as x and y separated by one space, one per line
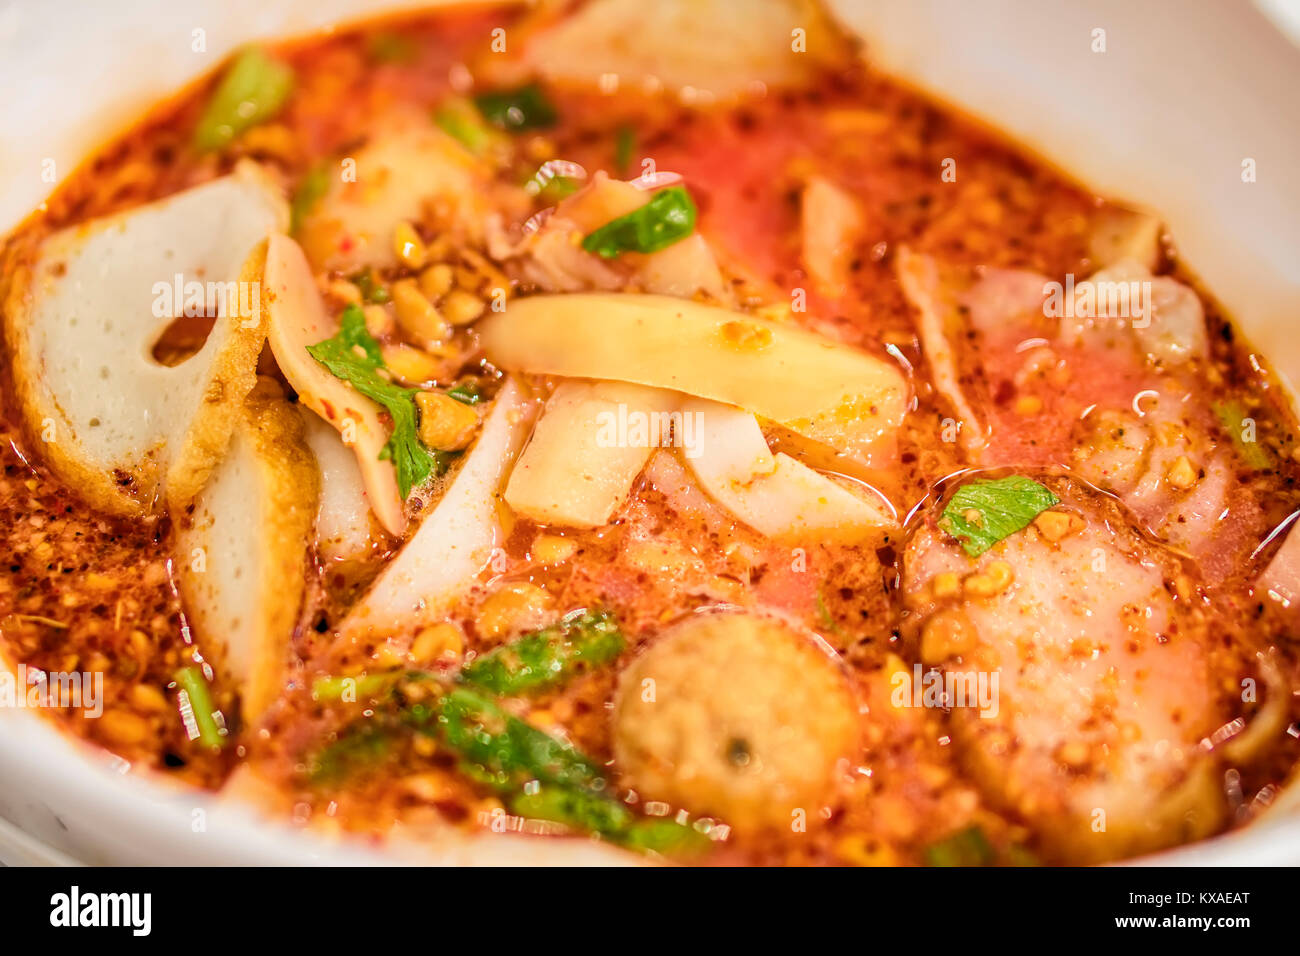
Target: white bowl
1184 93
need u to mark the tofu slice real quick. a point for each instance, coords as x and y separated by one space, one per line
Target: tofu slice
82 317
242 547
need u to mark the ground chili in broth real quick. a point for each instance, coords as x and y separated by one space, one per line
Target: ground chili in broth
81 590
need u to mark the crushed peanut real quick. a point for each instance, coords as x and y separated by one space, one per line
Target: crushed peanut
438 643
1182 475
411 364
461 307
444 422
551 549
417 316
948 633
408 246
1055 525
1028 405
437 280
514 607
947 584
995 579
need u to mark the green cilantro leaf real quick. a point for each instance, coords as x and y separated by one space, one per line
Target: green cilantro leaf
353 356
515 110
982 513
667 218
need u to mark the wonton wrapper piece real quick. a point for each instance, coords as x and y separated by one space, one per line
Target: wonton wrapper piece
718 47
831 393
579 465
396 175
296 319
242 551
454 542
119 426
773 493
830 223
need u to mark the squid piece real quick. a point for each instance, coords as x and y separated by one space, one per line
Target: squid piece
1104 692
830 225
298 319
83 319
773 493
845 399
242 549
454 542
937 326
578 469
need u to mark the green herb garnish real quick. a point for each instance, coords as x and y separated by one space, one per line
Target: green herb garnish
371 289
508 749
967 847
352 689
516 110
1232 416
982 513
624 146
253 89
211 733
353 356
467 394
546 657
313 187
458 120
356 748
392 48
667 218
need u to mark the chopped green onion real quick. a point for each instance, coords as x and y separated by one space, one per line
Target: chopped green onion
352 689
667 218
1232 416
254 88
315 184
516 110
982 513
624 146
967 847
358 747
549 656
458 120
389 47
505 747
371 289
210 732
467 394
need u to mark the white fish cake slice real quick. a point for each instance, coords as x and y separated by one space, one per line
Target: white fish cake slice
242 548
82 318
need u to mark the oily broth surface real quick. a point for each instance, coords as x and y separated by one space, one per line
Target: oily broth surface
81 591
